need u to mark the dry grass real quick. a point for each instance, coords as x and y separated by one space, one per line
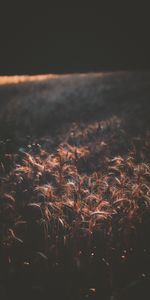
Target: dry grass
91 181
97 172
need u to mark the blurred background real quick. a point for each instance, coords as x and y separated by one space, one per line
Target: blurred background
41 38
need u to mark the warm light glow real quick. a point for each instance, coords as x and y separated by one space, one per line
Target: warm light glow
25 78
15 79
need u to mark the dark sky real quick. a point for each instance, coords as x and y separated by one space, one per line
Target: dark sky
48 39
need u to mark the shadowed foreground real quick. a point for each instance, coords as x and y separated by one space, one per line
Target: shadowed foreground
39 104
75 188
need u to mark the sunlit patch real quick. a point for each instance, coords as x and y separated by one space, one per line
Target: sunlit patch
16 79
93 290
25 78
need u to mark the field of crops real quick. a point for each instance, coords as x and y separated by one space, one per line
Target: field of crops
75 210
